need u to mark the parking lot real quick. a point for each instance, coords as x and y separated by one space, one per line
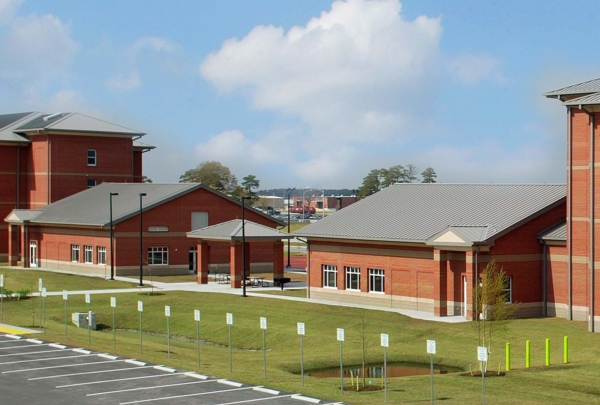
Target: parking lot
36 371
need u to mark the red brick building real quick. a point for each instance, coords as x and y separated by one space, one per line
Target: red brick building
45 158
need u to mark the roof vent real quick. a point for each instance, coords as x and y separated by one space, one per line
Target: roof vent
51 116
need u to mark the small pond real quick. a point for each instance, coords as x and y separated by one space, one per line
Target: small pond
376 370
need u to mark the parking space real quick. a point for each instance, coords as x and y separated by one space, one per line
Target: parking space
34 370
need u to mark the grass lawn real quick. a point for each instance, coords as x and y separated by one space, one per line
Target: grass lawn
191 278
290 293
575 382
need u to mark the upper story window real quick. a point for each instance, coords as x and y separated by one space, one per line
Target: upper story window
91 183
91 157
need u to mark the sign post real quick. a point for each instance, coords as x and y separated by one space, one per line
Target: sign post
141 311
88 300
340 338
65 298
113 304
301 332
431 351
40 286
482 356
197 319
1 296
89 326
44 293
168 315
263 326
230 322
385 343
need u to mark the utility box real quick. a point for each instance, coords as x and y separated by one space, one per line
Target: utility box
81 320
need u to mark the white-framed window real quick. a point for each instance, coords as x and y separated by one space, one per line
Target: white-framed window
91 183
158 229
158 255
352 278
75 253
507 291
89 254
377 280
101 255
329 276
91 157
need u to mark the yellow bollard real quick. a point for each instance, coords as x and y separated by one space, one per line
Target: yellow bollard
547 352
507 356
527 354
566 349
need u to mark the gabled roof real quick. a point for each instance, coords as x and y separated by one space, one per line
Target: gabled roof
142 146
22 216
556 233
8 123
591 86
590 99
232 230
474 213
460 236
91 207
74 122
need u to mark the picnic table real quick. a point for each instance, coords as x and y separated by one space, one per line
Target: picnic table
223 278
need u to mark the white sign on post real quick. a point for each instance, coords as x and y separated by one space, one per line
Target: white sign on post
385 340
197 315
340 334
431 347
113 302
65 295
40 285
229 318
263 322
140 306
87 298
301 330
167 310
90 318
2 280
44 292
482 353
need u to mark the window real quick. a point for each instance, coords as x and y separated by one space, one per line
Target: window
158 229
352 278
329 276
199 220
376 280
74 253
101 255
158 255
91 183
91 157
89 253
507 291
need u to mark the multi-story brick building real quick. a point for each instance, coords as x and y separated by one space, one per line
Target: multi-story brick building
47 157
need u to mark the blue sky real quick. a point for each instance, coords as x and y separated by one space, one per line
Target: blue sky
311 93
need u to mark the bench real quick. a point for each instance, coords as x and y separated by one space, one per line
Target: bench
281 281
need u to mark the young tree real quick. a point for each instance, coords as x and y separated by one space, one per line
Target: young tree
429 175
493 307
410 174
363 341
213 174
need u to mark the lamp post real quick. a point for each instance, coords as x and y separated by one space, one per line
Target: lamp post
244 246
289 191
112 245
141 257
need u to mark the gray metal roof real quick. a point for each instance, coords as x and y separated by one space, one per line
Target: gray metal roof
557 232
232 230
91 207
21 216
591 86
416 212
590 99
141 145
75 122
8 123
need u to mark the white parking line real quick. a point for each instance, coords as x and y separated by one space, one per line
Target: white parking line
117 380
14 337
146 388
46 359
36 341
18 347
306 399
28 353
254 400
88 372
66 365
184 396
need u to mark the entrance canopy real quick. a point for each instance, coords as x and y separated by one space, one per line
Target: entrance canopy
232 231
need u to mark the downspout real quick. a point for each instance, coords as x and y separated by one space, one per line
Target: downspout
476 284
48 168
544 279
570 215
18 176
592 224
307 269
26 244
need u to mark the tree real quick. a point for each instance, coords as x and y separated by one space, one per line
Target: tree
371 183
492 304
146 179
393 175
410 174
429 175
213 174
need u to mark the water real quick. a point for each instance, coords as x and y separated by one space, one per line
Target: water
376 371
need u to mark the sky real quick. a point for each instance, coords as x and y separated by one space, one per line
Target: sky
311 93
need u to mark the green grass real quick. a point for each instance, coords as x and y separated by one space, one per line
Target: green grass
290 293
27 278
575 382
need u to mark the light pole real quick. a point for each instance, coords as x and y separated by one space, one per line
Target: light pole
112 245
141 257
244 246
289 191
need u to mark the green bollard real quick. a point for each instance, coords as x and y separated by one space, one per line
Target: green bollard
507 356
547 352
527 354
566 349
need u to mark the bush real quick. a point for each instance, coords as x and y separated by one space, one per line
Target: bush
7 293
22 293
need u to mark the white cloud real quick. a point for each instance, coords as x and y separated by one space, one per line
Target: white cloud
154 43
8 9
124 83
472 69
359 71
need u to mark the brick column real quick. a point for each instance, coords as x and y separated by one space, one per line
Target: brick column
440 283
235 266
202 263
24 258
277 259
13 245
470 274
